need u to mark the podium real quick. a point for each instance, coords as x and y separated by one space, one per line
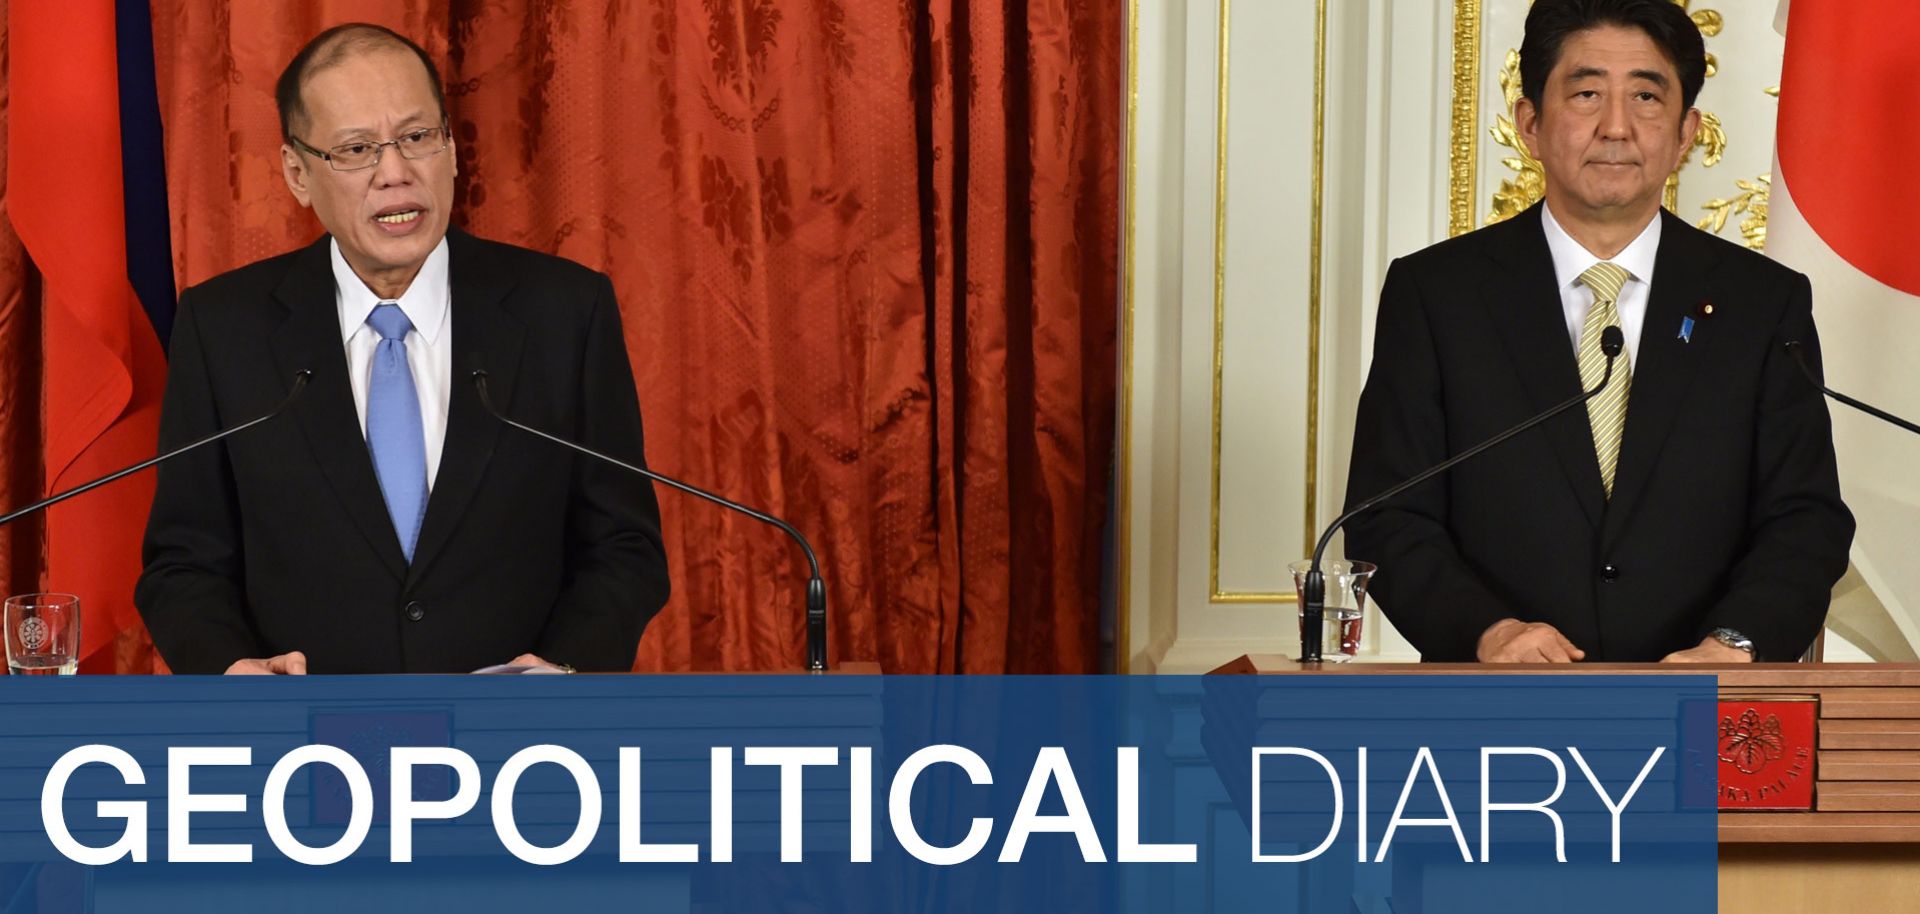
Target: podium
1857 849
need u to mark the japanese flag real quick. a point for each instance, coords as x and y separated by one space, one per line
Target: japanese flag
1845 210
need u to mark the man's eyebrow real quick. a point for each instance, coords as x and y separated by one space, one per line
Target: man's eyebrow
351 132
1653 76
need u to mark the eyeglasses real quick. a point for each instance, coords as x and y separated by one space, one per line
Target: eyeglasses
418 143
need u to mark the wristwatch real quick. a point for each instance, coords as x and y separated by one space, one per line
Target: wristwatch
1731 638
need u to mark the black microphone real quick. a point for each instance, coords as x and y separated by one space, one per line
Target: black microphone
816 588
299 384
1313 611
1799 354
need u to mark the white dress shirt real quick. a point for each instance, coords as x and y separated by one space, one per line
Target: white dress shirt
1570 259
427 303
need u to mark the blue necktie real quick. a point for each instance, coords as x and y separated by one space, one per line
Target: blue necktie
394 432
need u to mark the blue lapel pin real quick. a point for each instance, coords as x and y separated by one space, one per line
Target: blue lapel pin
1686 330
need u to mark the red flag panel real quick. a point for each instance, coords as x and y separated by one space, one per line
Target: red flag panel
103 366
1849 123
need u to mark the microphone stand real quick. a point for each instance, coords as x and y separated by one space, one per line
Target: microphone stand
1314 600
299 384
1798 352
816 588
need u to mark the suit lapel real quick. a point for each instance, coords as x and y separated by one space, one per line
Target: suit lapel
310 339
1523 298
485 335
1667 364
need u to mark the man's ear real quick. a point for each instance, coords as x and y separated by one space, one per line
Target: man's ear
1689 129
295 171
1526 119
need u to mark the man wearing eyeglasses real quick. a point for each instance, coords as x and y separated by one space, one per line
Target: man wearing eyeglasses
387 522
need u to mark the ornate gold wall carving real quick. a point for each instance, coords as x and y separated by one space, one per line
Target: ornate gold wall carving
1463 148
1529 181
1751 201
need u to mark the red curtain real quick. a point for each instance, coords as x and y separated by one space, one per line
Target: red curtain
866 252
19 386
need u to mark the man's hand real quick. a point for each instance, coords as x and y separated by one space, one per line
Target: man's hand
534 660
1514 641
1709 651
292 663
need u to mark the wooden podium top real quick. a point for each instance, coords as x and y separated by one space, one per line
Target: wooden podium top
1732 675
849 668
1867 767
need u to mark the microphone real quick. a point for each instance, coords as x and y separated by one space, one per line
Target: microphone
300 379
816 588
1799 354
1313 610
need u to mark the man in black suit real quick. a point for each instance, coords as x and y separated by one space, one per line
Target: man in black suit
387 523
1692 512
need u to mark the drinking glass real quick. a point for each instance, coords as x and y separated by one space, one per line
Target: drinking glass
43 634
1345 604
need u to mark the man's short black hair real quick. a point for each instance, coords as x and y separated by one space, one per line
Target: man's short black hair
1551 22
333 46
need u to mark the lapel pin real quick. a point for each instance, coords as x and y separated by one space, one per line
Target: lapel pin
1704 309
1686 329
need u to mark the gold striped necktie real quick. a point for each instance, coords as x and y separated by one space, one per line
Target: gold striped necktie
1608 411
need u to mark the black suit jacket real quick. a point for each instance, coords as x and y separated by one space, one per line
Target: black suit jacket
1726 508
277 539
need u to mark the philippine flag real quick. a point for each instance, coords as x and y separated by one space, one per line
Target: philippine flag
1845 210
87 192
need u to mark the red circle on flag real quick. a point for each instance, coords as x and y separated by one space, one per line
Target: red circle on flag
1850 130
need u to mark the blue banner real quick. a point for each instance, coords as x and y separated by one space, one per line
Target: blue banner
1429 794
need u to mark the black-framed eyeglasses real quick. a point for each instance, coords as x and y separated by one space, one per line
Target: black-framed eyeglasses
418 143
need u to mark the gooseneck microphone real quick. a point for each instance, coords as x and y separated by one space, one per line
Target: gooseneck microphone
300 379
1313 608
816 588
1799 354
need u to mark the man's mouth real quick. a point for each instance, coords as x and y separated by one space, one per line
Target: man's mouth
399 217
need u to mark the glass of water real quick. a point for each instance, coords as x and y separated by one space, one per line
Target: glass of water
43 634
1345 604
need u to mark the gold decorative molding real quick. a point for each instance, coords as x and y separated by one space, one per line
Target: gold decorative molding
1123 427
1463 147
1529 181
1214 593
1709 22
1312 532
1219 299
1752 201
